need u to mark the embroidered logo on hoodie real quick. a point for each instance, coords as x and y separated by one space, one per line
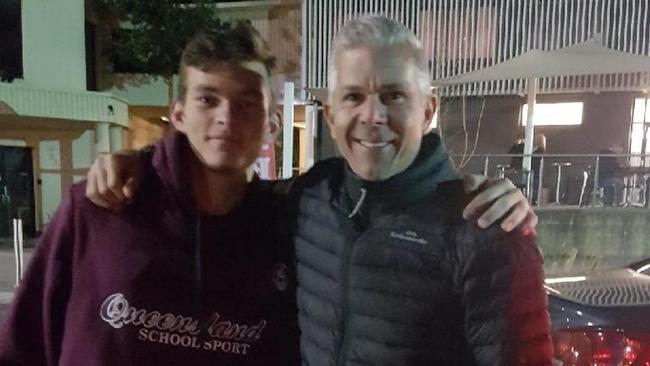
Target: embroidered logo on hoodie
280 277
176 330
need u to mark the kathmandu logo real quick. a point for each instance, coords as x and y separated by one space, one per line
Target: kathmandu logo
409 235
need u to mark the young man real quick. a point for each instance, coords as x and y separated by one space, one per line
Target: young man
180 277
389 273
105 187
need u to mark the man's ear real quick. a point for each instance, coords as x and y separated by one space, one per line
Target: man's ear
273 127
176 114
431 104
329 118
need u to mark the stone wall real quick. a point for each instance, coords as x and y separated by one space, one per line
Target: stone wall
596 237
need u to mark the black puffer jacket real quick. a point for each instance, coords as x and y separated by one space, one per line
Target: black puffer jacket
390 274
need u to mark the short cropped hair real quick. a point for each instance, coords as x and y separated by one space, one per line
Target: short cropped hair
377 32
234 43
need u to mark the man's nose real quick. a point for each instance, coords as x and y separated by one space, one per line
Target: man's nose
374 111
223 114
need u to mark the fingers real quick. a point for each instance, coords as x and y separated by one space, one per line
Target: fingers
500 200
103 185
529 225
130 187
516 216
106 185
500 208
96 186
472 182
91 186
114 180
495 189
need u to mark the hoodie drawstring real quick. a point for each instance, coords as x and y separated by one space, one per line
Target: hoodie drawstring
197 273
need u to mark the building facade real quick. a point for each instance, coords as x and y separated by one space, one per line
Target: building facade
49 117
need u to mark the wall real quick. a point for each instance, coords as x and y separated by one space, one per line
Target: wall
279 23
83 153
599 236
53 44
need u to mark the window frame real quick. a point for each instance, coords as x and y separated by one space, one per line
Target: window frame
644 125
524 110
20 70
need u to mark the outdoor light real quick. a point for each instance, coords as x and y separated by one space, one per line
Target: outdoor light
597 347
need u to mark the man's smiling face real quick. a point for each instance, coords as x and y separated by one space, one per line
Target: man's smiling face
378 112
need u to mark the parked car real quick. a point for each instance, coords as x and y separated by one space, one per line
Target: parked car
602 318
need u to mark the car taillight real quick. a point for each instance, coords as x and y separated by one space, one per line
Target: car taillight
596 347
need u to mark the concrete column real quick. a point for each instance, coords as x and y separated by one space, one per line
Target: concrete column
32 142
116 138
65 151
102 137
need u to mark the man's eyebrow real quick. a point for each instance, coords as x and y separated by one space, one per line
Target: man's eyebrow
206 88
252 92
349 88
395 86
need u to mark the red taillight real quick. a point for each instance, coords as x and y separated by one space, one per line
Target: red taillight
594 347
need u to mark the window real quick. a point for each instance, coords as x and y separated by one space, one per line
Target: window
640 132
554 114
11 52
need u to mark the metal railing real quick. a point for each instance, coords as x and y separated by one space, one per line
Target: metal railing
559 171
18 249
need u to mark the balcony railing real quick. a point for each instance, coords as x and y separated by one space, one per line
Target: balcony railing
592 180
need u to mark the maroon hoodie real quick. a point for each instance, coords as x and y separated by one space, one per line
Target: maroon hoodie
157 283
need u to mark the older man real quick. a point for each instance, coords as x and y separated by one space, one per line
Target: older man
388 271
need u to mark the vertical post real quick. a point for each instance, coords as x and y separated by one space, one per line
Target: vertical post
486 166
594 193
102 137
303 49
287 140
310 133
644 142
530 128
115 137
526 177
18 248
559 182
540 179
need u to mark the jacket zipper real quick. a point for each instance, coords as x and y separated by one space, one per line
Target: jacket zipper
358 229
345 305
